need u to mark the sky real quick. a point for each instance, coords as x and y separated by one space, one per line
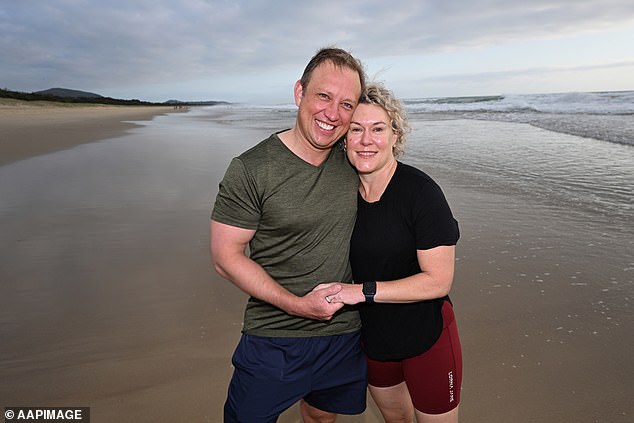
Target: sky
254 51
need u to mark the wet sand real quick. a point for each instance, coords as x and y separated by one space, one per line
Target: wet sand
110 300
115 313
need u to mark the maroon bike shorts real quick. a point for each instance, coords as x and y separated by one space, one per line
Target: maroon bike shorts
433 377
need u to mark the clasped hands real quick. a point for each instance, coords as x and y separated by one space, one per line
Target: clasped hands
326 299
347 293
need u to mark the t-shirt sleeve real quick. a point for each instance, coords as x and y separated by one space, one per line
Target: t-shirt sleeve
237 202
434 224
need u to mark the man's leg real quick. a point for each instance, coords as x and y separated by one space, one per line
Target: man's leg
339 379
311 414
262 387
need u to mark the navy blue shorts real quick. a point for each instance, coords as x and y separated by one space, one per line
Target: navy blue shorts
272 374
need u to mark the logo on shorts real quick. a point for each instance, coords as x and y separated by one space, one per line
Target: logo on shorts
451 397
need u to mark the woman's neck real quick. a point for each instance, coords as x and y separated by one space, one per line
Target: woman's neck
372 185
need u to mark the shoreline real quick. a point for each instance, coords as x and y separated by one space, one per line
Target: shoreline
30 130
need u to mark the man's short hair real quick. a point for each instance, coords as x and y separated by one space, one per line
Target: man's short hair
340 58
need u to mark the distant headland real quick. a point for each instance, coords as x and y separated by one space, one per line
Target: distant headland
65 95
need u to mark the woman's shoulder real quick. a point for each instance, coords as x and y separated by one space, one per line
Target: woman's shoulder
413 174
414 183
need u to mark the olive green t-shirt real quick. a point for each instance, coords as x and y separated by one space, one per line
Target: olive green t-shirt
303 216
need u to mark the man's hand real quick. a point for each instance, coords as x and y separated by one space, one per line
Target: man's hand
314 304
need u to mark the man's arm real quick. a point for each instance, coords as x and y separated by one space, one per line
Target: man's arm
228 246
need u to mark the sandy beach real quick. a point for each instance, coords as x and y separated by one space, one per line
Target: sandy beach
32 128
110 300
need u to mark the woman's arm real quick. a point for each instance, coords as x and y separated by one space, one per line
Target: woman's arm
434 281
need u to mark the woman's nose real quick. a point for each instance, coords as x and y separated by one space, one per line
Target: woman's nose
366 138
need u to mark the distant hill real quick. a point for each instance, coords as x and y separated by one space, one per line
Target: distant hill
66 93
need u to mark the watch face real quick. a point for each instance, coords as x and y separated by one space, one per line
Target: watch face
369 290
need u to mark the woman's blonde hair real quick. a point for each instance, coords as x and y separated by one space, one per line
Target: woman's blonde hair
375 93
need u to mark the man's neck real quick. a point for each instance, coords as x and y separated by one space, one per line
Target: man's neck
303 150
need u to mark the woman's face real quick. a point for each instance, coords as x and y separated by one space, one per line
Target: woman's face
370 139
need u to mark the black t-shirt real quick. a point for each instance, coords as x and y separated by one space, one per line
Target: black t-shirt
411 215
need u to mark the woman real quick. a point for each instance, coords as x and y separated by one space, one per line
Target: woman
402 256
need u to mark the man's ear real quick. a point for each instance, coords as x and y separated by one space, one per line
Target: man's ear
299 92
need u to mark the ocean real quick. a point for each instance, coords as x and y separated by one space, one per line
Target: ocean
606 116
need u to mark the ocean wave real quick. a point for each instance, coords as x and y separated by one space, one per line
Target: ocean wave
621 102
605 116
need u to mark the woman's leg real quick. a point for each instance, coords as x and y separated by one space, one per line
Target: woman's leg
434 378
394 403
448 417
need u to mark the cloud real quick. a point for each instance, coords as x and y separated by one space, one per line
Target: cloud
547 78
99 45
525 72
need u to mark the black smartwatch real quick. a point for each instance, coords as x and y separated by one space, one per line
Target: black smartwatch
369 290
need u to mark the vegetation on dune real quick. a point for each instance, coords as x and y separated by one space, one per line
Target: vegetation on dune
60 95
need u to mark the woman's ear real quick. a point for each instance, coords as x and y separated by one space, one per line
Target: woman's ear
397 137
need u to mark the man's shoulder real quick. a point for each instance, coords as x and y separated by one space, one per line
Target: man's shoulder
264 148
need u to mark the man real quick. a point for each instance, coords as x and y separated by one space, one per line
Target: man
292 200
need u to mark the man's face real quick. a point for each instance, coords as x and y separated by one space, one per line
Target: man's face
326 105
